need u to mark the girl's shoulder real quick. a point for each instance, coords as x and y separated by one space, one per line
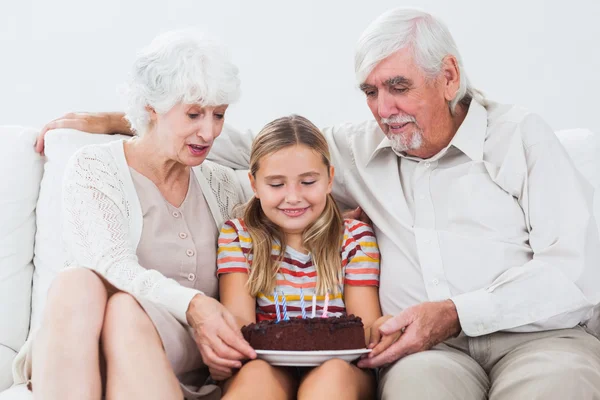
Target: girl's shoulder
234 229
357 230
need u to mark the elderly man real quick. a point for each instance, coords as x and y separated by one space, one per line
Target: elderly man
490 252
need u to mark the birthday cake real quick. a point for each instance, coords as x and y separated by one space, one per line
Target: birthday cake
307 334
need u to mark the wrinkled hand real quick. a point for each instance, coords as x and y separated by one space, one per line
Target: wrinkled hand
217 335
86 122
357 214
418 328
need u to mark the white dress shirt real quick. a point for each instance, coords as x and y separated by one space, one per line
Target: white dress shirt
499 221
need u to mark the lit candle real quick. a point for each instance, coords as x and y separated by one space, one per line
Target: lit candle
325 306
285 314
276 298
314 306
302 303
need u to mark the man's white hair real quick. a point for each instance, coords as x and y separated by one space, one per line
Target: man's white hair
427 36
181 66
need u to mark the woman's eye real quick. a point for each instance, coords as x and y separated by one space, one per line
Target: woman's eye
219 116
193 116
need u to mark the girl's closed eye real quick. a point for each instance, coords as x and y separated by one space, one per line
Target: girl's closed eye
276 185
308 183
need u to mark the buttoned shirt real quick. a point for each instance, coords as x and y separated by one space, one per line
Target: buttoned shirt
499 221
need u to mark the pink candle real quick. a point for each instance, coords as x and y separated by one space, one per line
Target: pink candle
325 305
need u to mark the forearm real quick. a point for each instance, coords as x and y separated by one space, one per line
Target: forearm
533 297
116 123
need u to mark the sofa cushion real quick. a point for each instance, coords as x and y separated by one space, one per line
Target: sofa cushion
20 175
49 257
19 392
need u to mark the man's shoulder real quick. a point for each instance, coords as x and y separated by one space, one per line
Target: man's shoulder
511 119
352 138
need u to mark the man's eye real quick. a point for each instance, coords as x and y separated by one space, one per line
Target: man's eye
193 116
370 93
399 89
308 183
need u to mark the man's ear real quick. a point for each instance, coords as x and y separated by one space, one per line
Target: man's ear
252 184
451 77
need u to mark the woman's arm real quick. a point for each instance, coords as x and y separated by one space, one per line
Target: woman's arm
363 301
235 297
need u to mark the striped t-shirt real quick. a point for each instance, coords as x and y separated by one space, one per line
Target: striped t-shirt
360 267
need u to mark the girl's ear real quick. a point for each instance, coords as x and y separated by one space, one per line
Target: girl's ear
331 175
252 184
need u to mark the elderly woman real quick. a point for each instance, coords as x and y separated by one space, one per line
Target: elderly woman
134 315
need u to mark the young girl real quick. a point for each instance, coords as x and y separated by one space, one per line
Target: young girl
293 238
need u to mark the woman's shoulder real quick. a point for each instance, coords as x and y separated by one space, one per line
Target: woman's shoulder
99 154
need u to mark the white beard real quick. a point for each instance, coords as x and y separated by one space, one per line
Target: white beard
400 143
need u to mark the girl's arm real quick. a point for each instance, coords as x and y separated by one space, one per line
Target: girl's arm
235 297
363 301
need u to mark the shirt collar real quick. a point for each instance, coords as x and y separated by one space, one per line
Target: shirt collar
469 137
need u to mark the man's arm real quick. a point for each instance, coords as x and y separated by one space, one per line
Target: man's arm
559 287
106 123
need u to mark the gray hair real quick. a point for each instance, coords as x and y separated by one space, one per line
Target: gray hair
427 36
181 66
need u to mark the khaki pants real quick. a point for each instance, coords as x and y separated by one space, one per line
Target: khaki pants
561 364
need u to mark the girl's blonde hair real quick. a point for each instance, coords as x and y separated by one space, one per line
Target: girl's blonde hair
323 238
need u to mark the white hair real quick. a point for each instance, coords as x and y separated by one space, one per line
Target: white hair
181 66
427 36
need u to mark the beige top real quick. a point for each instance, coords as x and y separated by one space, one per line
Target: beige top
179 242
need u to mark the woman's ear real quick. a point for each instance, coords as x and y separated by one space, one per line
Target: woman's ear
252 184
151 113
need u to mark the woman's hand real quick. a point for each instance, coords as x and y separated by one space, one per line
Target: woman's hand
85 122
219 339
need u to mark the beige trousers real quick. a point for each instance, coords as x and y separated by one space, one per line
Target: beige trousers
561 364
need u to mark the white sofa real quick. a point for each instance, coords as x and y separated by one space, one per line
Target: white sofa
30 196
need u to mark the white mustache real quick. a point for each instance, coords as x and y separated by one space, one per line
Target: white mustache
398 119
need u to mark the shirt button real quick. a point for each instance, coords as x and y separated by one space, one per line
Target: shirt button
183 235
190 252
191 277
435 282
427 164
175 214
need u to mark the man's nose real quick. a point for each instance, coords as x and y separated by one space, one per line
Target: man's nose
386 105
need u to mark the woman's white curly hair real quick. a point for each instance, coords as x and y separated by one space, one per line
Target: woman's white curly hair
182 66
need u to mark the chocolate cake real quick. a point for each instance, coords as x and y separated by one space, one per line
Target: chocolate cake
296 334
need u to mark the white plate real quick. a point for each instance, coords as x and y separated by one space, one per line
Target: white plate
307 358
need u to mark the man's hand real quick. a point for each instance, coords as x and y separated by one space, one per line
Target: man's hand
421 327
85 122
357 214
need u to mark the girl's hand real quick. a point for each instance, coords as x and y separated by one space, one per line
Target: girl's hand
378 342
219 339
218 375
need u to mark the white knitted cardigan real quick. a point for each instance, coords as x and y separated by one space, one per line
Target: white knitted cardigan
103 221
102 226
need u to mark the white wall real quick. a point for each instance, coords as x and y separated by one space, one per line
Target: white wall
295 57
